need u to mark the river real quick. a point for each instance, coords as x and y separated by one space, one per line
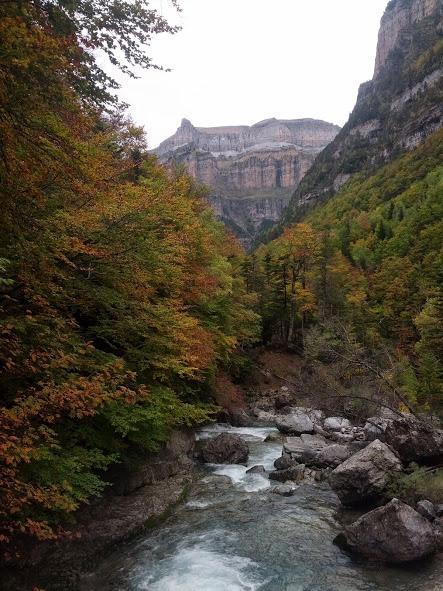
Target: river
234 534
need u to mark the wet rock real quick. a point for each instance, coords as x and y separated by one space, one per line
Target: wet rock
284 462
284 490
342 438
224 449
375 428
357 445
276 437
336 424
426 509
257 470
415 440
264 418
240 418
295 424
295 473
306 448
365 476
394 533
318 476
333 456
318 430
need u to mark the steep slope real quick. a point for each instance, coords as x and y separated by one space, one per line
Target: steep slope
251 171
395 111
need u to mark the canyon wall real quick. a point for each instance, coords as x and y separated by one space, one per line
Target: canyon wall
251 171
399 15
397 110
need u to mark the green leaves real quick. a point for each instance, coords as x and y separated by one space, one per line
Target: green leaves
4 280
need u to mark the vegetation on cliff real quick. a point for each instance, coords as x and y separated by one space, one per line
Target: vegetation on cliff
394 112
369 259
120 293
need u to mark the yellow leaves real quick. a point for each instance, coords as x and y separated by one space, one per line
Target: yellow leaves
301 241
305 299
357 298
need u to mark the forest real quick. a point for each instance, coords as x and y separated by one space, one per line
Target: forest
121 295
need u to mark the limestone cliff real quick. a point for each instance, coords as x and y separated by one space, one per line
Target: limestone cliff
399 15
251 171
395 111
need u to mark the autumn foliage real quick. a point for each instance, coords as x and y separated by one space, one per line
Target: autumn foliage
120 293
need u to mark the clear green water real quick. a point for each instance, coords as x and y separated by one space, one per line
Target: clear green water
233 534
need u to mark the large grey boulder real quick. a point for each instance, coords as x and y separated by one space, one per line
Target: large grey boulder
226 448
304 449
332 456
294 473
239 418
336 424
365 476
274 437
394 533
415 440
375 428
295 423
314 450
285 461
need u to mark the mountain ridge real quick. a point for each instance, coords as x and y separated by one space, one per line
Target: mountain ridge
251 171
395 111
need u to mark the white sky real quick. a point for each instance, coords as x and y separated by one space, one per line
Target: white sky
240 61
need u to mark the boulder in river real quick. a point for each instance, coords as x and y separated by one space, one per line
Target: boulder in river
332 456
295 423
239 418
226 448
305 449
294 473
284 490
336 424
394 533
285 461
364 477
415 440
274 437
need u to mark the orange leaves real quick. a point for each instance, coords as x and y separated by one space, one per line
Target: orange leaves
301 241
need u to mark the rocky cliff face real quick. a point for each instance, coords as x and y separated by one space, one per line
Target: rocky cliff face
395 111
399 15
251 171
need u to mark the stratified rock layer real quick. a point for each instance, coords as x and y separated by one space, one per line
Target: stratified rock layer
251 171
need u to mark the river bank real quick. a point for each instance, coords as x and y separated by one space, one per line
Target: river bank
140 498
234 532
174 523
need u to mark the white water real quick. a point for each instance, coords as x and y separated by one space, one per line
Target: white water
201 567
234 534
247 433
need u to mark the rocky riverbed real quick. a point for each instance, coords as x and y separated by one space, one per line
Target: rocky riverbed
243 529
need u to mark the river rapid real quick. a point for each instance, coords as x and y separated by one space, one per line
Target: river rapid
234 534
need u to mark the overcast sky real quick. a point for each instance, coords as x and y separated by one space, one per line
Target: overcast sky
240 61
